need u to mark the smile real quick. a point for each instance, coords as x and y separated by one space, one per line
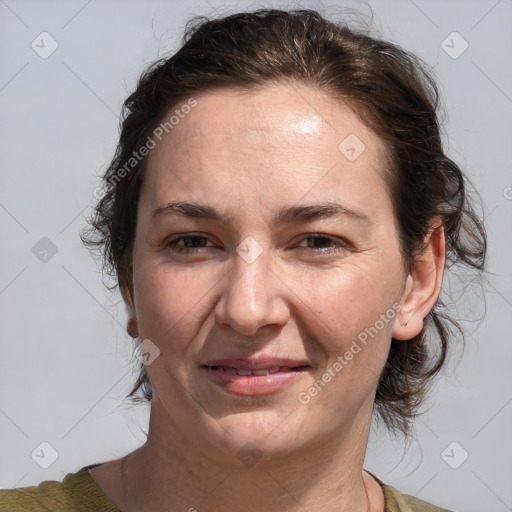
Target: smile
256 382
261 371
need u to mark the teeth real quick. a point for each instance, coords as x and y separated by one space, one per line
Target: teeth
262 371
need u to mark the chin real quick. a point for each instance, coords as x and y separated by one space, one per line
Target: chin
250 437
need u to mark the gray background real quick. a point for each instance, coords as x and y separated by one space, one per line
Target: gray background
66 361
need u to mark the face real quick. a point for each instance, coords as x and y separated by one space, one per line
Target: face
255 277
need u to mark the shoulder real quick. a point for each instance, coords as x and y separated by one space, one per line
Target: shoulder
397 502
77 492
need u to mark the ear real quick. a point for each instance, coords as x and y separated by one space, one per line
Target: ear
132 328
423 284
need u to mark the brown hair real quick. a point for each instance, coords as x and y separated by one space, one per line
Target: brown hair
392 93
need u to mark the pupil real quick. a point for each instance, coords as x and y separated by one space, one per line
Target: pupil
319 241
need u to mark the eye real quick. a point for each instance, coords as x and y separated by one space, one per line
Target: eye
191 243
322 240
195 243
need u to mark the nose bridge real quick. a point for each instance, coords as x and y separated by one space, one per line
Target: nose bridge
251 298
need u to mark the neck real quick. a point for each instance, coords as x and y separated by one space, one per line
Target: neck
177 475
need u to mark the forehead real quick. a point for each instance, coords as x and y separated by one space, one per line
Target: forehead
283 110
280 141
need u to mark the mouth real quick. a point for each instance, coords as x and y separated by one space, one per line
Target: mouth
259 372
254 378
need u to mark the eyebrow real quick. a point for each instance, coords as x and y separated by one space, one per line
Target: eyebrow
287 215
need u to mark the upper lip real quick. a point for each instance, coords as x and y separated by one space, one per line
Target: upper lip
256 364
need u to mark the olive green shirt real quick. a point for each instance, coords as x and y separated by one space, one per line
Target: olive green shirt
78 492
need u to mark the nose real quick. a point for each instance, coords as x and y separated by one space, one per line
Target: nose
253 296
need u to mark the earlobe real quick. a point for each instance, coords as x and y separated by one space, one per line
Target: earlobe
422 286
132 328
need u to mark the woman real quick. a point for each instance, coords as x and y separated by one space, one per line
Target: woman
278 215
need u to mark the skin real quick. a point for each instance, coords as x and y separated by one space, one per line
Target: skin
248 154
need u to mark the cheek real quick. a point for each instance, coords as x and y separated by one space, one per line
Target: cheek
171 303
351 318
349 299
333 305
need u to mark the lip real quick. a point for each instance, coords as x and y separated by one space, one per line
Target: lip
257 364
255 385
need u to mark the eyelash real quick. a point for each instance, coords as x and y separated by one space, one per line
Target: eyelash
339 246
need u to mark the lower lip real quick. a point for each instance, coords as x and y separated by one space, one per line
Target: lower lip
253 385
